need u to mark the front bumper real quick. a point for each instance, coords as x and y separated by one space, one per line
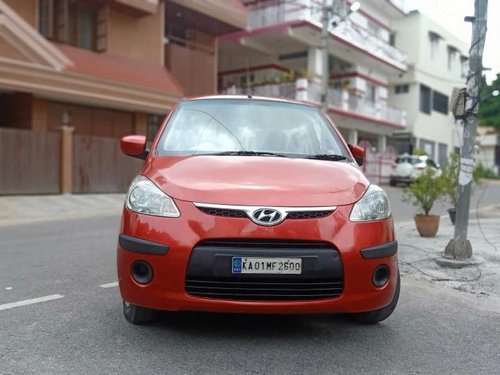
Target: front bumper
358 245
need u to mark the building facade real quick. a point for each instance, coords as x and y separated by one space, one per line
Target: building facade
99 64
437 62
279 55
488 149
192 29
114 66
75 75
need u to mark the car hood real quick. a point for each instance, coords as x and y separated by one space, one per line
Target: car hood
262 181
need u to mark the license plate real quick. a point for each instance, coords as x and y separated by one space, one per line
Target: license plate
275 266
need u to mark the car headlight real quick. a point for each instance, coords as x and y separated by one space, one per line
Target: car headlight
374 205
146 198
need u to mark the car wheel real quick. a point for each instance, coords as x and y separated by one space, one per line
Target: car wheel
137 314
392 181
376 316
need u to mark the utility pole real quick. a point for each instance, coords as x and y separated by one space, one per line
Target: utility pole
460 247
325 79
327 13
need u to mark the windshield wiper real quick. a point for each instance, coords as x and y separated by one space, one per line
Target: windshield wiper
332 157
247 153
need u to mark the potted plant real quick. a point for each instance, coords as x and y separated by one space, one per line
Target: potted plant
423 193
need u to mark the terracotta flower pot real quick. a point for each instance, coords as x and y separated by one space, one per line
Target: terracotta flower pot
427 225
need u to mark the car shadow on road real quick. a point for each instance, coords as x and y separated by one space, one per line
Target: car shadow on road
261 325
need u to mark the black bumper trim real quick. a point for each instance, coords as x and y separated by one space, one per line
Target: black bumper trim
380 251
137 245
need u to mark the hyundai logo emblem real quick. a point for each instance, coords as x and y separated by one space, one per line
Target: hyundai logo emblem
267 216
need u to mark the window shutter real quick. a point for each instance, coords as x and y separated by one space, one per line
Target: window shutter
62 21
46 18
101 42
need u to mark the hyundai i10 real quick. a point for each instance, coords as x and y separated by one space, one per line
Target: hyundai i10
254 205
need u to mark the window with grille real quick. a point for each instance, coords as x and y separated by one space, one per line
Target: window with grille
401 89
74 22
425 99
440 103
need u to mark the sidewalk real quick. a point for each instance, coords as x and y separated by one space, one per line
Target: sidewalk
416 254
27 209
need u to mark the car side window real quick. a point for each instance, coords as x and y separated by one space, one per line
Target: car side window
432 163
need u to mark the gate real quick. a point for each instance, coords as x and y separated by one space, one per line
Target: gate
30 161
99 166
378 166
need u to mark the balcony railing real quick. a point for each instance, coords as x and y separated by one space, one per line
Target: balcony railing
309 10
302 90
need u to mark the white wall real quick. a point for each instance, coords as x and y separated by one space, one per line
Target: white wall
412 36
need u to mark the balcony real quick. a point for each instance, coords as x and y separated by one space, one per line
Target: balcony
339 101
139 7
349 32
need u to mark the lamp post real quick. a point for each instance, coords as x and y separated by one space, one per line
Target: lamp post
328 12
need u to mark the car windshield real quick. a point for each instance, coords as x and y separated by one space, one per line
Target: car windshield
243 127
410 159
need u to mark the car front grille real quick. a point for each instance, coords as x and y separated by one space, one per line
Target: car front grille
262 289
304 215
209 271
295 215
222 212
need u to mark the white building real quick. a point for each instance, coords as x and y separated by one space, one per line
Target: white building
279 55
437 62
488 148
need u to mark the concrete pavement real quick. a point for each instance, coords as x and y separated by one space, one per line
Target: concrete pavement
21 209
417 255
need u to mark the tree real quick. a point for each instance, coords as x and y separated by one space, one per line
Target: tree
489 110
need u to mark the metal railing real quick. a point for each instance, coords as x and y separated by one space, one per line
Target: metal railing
337 98
309 10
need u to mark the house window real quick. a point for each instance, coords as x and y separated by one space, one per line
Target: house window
440 103
74 22
402 89
392 39
464 65
425 99
371 92
452 56
434 44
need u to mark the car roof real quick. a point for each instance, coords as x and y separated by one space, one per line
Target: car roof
413 156
250 97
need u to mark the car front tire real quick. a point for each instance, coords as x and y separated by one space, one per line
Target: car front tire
137 314
376 316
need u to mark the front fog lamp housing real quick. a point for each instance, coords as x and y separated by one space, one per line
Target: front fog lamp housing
374 205
146 198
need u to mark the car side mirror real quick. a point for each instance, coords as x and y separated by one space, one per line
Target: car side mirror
358 153
135 146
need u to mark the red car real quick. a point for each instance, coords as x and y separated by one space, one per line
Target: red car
254 205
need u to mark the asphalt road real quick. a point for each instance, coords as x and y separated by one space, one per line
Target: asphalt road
486 194
433 330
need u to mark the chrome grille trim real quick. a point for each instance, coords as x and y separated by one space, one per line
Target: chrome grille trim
236 211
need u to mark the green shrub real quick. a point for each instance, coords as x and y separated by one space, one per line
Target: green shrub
425 190
450 178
